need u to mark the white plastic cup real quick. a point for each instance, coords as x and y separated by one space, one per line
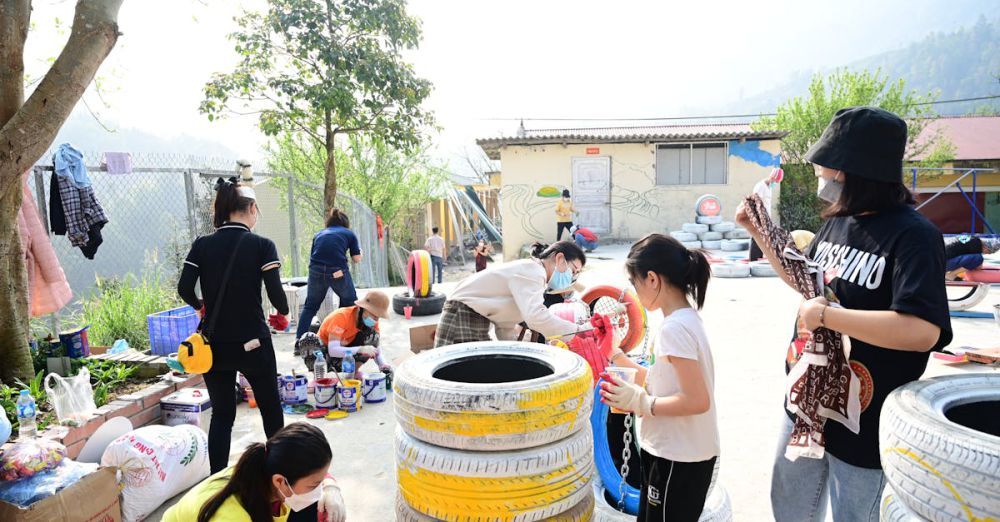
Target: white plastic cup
623 374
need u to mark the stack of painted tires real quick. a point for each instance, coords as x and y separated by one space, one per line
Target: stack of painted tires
494 431
419 295
939 440
709 231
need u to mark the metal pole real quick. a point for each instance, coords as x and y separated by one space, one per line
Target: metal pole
974 204
192 213
293 229
914 179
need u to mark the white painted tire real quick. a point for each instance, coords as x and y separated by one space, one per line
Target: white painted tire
718 508
939 469
762 269
971 298
480 486
892 510
691 245
582 512
711 245
710 236
738 233
709 220
694 228
735 245
723 227
730 270
502 413
683 237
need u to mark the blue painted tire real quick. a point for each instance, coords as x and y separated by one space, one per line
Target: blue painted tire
611 477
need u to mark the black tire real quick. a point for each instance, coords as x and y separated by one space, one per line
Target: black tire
430 305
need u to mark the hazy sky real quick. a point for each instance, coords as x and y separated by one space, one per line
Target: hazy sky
517 58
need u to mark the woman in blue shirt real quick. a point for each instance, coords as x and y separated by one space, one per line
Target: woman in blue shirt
328 267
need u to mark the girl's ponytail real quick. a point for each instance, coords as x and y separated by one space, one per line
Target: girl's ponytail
249 481
698 274
228 200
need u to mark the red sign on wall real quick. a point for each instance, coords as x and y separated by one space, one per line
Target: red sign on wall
593 150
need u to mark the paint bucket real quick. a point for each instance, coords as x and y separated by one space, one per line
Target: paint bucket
293 389
325 393
374 387
348 393
76 343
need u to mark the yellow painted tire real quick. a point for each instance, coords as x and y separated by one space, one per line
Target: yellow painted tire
582 512
502 486
419 273
528 395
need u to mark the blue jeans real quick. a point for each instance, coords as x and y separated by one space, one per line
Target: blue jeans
800 490
320 280
968 262
438 268
583 243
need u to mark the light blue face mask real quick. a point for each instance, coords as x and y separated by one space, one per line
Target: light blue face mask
369 322
561 279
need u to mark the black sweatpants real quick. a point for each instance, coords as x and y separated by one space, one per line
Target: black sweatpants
673 491
221 384
563 226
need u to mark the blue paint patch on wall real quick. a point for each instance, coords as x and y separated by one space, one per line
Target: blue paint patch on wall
750 151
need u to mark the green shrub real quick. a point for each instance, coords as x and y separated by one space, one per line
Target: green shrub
117 309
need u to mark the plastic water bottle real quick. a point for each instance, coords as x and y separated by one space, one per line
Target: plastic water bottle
26 416
348 365
319 367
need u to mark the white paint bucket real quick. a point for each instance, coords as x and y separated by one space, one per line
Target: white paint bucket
374 387
348 394
325 393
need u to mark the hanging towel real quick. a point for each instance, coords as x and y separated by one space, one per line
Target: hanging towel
69 165
117 162
48 290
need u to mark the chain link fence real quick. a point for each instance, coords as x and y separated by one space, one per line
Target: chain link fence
156 211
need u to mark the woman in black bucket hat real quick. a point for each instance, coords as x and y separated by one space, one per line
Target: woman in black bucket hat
884 263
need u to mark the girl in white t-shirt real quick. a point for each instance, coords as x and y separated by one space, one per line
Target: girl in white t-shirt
678 432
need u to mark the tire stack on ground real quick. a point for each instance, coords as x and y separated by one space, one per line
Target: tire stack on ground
939 439
709 231
494 431
419 283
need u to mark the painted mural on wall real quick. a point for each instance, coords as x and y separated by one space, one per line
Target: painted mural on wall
549 191
750 151
524 203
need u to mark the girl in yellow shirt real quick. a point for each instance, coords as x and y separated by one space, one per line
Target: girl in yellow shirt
564 214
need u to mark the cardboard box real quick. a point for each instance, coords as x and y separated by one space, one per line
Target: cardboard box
187 406
422 337
93 499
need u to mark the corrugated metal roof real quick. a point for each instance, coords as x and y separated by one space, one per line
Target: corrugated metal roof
974 137
627 134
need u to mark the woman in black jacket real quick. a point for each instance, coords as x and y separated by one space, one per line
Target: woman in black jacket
234 325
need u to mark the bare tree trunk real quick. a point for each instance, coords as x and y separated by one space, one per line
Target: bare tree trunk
27 131
330 168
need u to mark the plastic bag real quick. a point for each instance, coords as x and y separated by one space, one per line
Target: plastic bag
4 427
24 459
157 462
72 397
26 492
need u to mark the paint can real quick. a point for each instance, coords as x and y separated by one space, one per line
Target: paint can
293 389
374 387
348 393
325 393
76 343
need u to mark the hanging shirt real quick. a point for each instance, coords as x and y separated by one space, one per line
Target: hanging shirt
330 247
68 163
892 260
684 438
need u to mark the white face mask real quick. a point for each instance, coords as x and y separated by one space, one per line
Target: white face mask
829 190
300 501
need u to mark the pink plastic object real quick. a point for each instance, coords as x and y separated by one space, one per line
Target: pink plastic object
778 174
408 311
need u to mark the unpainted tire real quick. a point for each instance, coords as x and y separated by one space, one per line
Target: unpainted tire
582 512
730 270
725 226
710 236
762 269
691 245
711 245
430 305
709 220
963 296
738 233
694 228
735 245
528 395
682 236
940 469
476 486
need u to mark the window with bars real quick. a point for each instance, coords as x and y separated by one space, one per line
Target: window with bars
691 164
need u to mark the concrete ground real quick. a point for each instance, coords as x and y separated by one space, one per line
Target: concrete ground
748 322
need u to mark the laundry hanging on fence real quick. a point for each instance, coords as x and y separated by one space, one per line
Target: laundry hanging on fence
117 163
48 290
75 212
68 163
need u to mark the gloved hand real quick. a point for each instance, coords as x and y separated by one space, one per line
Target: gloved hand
625 396
331 503
278 322
604 333
201 311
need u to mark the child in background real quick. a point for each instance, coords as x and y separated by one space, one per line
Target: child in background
678 430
